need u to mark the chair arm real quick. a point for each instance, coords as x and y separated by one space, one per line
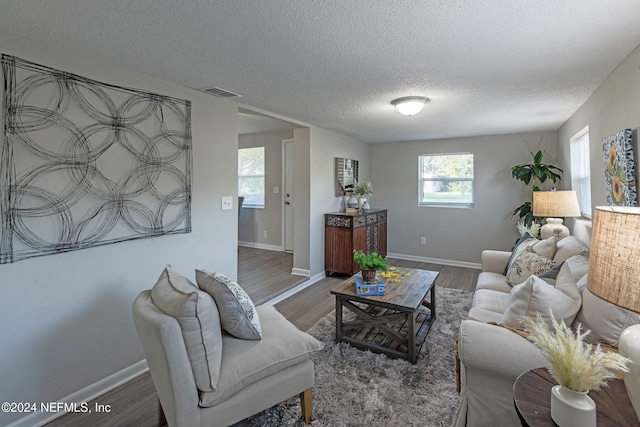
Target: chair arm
494 261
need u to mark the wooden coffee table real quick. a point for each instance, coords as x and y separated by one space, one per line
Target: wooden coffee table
396 323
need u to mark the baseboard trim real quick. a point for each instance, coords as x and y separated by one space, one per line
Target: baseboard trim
300 272
454 263
86 394
261 246
295 289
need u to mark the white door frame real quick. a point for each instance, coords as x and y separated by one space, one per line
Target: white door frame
284 194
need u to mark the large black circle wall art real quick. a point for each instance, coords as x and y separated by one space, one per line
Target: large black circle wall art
85 163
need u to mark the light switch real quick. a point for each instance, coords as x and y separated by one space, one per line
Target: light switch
276 190
227 203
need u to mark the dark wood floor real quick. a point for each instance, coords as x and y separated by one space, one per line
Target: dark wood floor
265 274
134 403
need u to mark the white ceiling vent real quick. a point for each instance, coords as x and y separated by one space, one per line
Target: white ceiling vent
216 91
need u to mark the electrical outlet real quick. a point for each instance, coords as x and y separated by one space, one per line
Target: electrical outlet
227 203
423 240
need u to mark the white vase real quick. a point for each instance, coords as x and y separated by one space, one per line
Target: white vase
572 408
361 201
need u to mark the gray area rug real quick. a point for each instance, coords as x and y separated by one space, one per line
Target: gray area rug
361 388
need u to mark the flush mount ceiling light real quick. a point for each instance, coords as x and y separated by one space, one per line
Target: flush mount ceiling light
410 105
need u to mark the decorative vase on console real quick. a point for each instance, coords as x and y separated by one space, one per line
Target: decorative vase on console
363 189
352 202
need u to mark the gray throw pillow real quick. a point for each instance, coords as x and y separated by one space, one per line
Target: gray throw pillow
198 317
521 240
237 312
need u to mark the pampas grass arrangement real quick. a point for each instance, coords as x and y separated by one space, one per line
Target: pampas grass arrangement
574 363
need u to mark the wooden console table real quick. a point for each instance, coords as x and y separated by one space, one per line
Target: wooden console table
344 233
532 398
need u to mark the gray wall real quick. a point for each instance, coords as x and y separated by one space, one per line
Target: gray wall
65 319
614 106
254 222
325 147
455 235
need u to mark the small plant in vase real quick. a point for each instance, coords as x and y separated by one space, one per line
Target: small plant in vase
577 366
370 264
363 189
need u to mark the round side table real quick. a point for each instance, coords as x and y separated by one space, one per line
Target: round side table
532 398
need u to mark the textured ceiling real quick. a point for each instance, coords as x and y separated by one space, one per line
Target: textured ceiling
489 67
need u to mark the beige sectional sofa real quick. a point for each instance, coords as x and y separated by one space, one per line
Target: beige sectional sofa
510 286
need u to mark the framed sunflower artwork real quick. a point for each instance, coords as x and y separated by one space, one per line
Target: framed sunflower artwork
619 169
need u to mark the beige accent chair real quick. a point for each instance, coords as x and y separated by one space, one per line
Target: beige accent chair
253 378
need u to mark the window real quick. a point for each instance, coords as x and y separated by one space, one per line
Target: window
581 171
446 180
251 176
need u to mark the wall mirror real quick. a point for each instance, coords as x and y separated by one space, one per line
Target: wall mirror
346 176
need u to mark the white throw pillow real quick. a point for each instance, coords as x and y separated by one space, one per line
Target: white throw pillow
237 312
568 247
525 264
546 248
198 317
535 296
606 321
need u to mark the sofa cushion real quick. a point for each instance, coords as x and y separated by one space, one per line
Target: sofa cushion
525 264
493 281
237 312
247 361
606 321
536 296
483 315
568 247
490 300
197 314
523 242
546 248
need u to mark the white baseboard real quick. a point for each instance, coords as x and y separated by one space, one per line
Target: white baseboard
300 272
261 246
86 394
436 261
296 289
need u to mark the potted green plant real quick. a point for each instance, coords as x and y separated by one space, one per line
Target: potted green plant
535 173
370 264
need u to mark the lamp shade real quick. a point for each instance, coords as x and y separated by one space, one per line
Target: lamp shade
614 259
555 204
410 105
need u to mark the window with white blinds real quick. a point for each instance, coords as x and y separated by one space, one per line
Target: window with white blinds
581 171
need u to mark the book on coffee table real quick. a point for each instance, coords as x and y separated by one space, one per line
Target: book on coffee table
366 288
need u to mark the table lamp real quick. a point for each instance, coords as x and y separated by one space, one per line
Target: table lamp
614 276
555 205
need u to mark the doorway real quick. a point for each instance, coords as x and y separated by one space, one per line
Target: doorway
287 195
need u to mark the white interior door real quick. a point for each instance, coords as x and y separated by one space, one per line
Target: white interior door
288 195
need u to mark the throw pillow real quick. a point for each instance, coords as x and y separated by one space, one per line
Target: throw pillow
526 264
198 317
552 273
568 247
547 247
526 237
606 321
237 312
535 296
